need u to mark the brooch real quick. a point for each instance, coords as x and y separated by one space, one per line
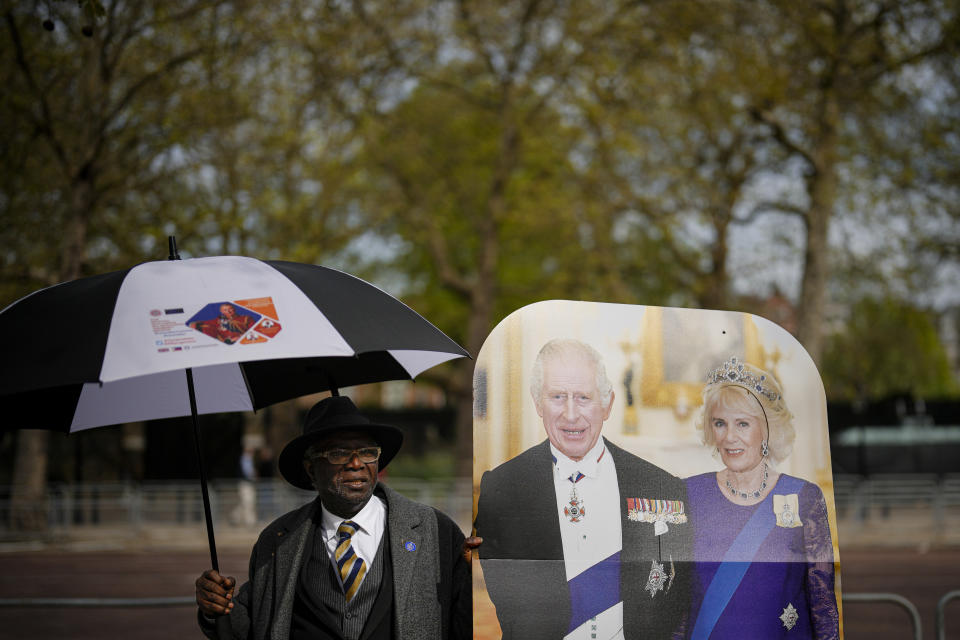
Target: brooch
789 616
787 510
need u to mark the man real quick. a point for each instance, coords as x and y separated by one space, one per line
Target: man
360 561
227 327
580 538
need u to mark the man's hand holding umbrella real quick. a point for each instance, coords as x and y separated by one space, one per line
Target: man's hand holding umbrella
215 593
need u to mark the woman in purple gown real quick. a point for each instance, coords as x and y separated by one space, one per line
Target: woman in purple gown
762 546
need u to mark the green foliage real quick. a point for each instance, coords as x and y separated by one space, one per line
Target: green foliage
887 347
435 465
475 157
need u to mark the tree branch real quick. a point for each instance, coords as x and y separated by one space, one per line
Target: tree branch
767 206
45 124
780 135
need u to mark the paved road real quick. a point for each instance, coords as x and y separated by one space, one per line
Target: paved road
921 577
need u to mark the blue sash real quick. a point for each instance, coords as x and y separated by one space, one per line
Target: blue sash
734 567
594 590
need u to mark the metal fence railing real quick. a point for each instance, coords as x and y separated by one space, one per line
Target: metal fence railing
929 499
68 506
930 502
889 598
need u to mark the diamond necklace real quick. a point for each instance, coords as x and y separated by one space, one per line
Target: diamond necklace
755 494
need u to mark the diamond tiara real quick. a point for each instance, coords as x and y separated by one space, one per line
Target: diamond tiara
745 375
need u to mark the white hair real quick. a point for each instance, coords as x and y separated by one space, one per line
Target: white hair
569 346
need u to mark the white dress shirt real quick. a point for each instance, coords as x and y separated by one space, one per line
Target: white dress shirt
597 535
372 520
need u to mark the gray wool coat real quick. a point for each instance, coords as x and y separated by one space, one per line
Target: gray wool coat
431 580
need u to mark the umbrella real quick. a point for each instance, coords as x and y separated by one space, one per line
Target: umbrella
199 336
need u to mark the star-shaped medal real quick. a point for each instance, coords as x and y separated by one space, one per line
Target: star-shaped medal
789 616
656 579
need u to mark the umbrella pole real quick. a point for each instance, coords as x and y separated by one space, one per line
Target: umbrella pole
203 475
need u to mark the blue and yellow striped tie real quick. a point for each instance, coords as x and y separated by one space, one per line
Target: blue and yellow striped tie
352 566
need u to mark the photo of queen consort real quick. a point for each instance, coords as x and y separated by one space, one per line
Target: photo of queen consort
764 564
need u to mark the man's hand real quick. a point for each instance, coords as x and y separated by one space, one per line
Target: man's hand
215 593
469 544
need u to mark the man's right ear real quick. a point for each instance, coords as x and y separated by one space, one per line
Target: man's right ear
536 404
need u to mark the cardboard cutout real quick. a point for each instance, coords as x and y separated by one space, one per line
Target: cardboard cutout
613 503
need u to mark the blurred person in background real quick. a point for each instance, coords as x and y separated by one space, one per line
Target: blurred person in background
245 513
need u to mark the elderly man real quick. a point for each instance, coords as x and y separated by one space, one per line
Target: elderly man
580 538
360 561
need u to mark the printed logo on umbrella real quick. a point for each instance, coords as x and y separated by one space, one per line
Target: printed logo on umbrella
250 321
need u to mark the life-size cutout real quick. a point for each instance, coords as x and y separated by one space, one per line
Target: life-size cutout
646 472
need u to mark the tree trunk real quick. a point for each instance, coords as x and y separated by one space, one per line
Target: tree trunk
484 290
717 282
27 503
30 464
822 189
481 317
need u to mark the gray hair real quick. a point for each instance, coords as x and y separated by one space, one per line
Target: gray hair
566 346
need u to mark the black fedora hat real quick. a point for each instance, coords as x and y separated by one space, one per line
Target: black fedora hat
336 413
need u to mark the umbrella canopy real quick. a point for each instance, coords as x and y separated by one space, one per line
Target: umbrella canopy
117 347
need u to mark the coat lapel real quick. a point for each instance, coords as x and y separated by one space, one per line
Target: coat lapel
288 558
541 509
406 545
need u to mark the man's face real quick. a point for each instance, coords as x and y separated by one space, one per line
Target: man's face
570 406
344 488
227 310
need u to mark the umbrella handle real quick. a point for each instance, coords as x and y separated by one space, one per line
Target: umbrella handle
203 474
332 383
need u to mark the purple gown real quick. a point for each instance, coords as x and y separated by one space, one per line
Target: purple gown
792 567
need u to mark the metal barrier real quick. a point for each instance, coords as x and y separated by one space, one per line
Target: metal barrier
940 629
78 603
135 505
892 598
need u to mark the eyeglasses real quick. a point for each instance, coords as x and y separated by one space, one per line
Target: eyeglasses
343 456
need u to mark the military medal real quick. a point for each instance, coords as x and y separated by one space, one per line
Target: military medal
575 511
657 578
789 616
659 512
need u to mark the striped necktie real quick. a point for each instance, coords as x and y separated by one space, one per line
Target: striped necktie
352 567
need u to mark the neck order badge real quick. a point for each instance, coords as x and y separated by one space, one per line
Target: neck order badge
575 511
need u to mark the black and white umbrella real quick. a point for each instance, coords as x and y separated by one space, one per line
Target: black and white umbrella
200 336
115 348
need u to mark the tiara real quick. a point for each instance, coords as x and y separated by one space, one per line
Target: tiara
734 372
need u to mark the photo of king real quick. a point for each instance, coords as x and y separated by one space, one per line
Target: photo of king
582 539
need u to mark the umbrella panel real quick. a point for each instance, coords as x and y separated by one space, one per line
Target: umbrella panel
219 389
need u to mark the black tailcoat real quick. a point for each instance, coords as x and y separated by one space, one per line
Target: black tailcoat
522 552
